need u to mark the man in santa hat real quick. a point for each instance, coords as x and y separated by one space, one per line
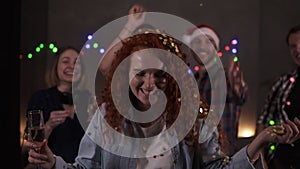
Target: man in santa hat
204 43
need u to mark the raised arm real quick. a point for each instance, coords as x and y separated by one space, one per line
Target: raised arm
238 87
135 19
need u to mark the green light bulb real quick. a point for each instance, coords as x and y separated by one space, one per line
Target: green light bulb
272 147
29 55
235 59
51 46
55 49
272 122
95 45
37 49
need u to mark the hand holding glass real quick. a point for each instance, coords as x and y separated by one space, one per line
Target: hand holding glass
36 127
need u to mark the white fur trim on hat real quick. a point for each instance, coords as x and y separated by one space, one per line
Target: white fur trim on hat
201 31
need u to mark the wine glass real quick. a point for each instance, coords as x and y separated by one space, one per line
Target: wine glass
36 128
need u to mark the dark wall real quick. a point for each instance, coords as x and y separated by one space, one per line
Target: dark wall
33 31
10 123
34 28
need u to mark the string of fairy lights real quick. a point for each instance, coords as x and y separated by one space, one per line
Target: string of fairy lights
89 45
38 49
231 49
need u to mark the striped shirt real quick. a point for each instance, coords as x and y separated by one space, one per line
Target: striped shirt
280 105
230 117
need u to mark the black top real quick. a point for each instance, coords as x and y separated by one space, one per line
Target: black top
65 138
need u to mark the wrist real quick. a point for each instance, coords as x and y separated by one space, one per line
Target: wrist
125 32
129 27
255 148
254 159
253 156
48 127
53 162
48 130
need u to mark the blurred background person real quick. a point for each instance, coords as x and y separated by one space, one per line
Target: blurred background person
282 104
205 43
63 130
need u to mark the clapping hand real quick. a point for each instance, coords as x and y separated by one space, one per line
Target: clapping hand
56 118
136 17
236 78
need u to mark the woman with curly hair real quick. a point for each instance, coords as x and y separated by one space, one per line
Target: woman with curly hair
151 116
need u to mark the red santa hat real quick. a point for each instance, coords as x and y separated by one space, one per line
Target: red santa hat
200 30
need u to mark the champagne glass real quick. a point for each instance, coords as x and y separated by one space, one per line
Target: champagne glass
36 128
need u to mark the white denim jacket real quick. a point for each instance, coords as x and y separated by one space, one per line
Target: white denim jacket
93 156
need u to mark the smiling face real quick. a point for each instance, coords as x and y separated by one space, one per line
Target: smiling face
294 47
146 77
66 66
205 48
